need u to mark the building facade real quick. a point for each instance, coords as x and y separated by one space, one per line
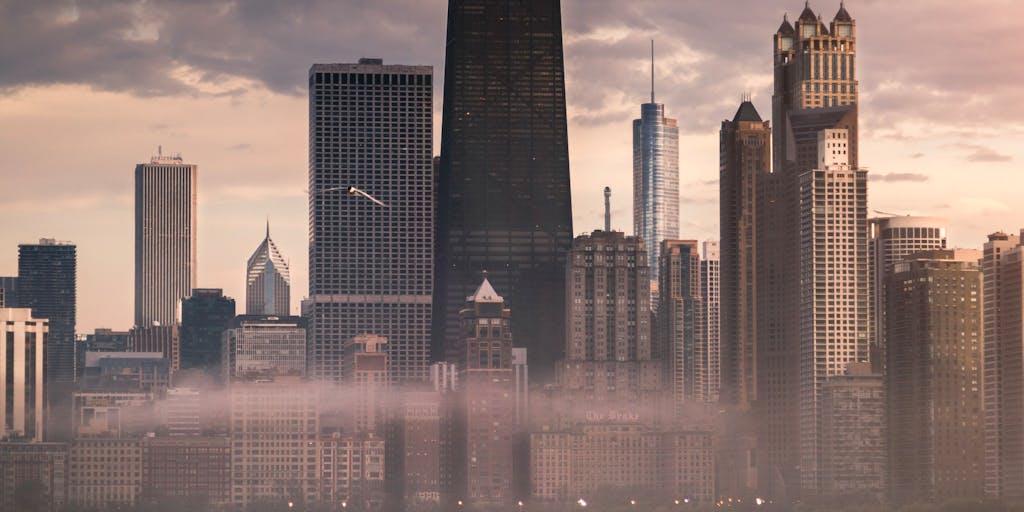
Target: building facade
205 316
8 291
47 285
504 202
186 467
22 370
166 191
370 381
934 309
165 339
680 314
262 345
708 376
853 444
40 465
267 281
655 177
744 158
105 472
370 263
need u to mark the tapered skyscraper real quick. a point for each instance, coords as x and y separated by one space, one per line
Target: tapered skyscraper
370 263
503 199
655 177
165 237
267 282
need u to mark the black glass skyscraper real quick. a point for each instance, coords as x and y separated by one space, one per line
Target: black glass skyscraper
205 315
503 199
46 284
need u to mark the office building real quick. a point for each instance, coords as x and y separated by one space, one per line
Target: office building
707 378
205 316
182 412
46 285
165 339
8 292
191 469
275 425
853 445
166 224
608 343
125 371
890 239
744 159
1002 266
370 127
105 472
22 371
101 340
680 313
267 281
655 177
815 87
42 465
353 470
261 345
504 202
414 448
934 377
111 414
370 380
484 448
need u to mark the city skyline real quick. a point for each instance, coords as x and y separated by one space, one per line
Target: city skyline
916 148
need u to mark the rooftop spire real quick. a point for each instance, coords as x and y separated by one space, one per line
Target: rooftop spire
268 228
652 70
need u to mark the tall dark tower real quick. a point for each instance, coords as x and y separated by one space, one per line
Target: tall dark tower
46 284
503 199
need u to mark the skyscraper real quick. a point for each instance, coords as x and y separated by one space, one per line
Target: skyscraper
370 266
267 281
852 417
1002 266
8 292
934 377
680 313
655 177
204 316
503 199
708 377
165 237
47 285
834 289
744 158
890 239
21 374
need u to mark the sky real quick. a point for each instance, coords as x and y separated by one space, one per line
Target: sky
89 89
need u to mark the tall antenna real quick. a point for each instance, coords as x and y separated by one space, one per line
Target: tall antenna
652 70
607 209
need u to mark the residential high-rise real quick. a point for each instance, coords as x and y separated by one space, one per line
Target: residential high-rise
504 203
370 266
707 378
744 158
255 346
815 86
1002 266
21 374
608 345
484 446
834 304
166 224
852 417
47 285
934 377
655 176
204 316
267 281
680 313
890 239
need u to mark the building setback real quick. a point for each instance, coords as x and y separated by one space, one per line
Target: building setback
504 202
933 377
370 127
166 191
267 281
744 159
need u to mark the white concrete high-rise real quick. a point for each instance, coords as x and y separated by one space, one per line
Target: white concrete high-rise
166 191
21 373
708 378
267 281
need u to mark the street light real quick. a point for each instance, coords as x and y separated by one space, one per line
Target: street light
353 191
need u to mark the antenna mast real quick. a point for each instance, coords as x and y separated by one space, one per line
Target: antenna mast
652 70
607 209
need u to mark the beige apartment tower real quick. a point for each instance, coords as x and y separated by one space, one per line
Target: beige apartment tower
166 191
934 377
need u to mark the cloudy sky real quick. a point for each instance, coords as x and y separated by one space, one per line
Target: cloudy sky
88 89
